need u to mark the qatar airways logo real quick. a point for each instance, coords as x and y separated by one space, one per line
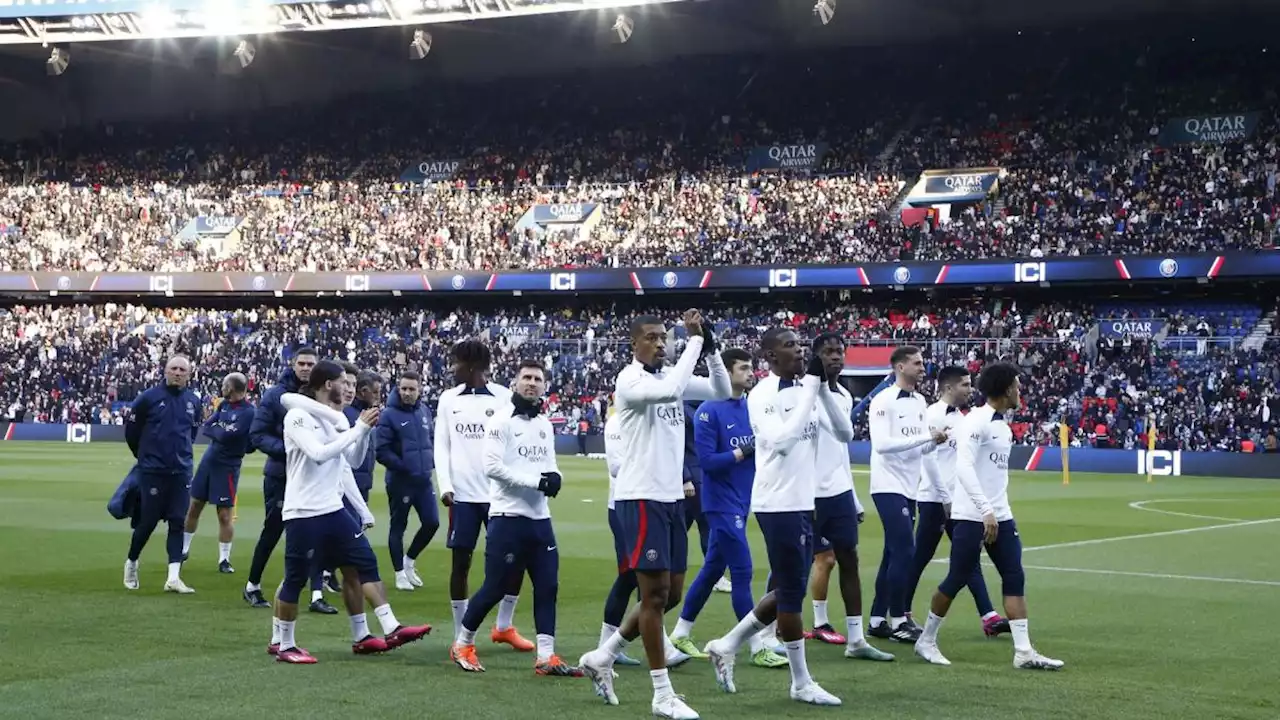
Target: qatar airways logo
533 453
672 415
810 431
999 459
471 431
911 430
742 441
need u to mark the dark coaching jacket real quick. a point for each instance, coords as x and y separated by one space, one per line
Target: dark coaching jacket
161 428
228 428
405 442
364 473
267 432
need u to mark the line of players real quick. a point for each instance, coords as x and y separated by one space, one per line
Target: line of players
792 470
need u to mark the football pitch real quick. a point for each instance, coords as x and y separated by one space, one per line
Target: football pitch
1162 598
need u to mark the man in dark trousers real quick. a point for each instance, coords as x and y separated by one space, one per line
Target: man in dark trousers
405 437
161 427
217 478
267 436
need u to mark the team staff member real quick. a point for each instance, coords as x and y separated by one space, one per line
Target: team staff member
404 449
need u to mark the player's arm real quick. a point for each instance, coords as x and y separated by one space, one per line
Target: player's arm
351 491
355 454
495 463
862 405
715 387
968 450
930 470
643 388
388 452
298 431
613 451
841 421
195 420
706 442
882 438
262 433
136 421
440 447
774 433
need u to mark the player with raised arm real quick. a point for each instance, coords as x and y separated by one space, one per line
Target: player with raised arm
980 509
836 507
937 483
824 559
462 416
724 443
217 477
519 458
785 409
899 440
320 449
649 493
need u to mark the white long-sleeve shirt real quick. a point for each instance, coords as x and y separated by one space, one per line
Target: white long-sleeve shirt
982 466
462 419
516 453
835 431
612 452
784 418
320 449
938 474
651 422
899 440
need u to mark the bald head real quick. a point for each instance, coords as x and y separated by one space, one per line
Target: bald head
234 386
177 371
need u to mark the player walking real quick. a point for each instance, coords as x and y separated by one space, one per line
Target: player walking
218 477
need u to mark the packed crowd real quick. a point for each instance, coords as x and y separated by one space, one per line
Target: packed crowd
662 156
83 364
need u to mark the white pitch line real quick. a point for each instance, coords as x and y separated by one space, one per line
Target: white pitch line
1163 533
1160 576
1142 505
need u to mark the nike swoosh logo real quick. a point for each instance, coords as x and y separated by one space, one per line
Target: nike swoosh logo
730 426
455 412
519 434
406 422
357 537
549 549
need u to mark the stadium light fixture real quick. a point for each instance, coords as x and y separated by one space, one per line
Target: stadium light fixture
59 59
622 28
420 46
825 10
244 53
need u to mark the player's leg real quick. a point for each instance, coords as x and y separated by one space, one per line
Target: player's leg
966 549
424 504
226 512
624 586
993 624
461 540
272 530
176 501
504 554
837 519
399 505
151 510
300 545
824 561
713 568
929 530
880 599
544 575
200 495
900 546
468 519
1006 555
355 554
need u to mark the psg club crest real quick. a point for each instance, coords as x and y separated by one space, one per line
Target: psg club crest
652 555
902 276
542 434
488 413
459 282
1168 267
670 279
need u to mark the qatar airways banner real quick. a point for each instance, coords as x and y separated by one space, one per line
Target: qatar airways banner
803 157
1209 128
1133 327
431 171
939 187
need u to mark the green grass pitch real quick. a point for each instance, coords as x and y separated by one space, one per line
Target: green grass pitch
1180 624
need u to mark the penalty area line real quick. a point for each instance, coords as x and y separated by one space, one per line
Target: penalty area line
1158 576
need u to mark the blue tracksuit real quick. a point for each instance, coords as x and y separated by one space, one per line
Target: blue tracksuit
693 474
217 480
720 427
405 447
363 473
161 429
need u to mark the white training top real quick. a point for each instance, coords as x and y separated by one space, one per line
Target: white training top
899 439
320 449
516 453
982 466
938 476
784 418
612 452
462 419
835 431
650 416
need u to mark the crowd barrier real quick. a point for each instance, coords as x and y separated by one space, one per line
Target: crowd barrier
1035 459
